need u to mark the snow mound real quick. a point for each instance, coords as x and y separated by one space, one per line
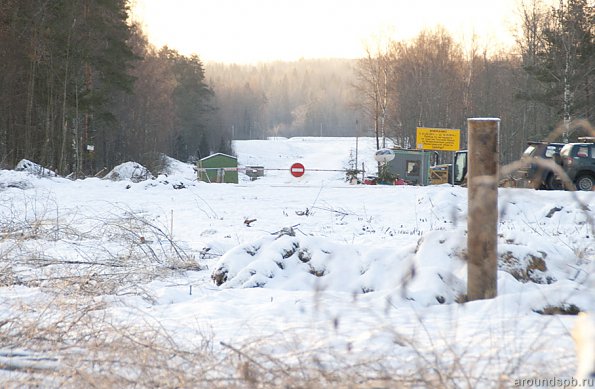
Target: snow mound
174 167
12 179
286 261
132 171
31 167
434 271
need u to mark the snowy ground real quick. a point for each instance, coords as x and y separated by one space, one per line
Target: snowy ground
282 281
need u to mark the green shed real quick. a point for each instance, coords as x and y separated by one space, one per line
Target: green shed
219 167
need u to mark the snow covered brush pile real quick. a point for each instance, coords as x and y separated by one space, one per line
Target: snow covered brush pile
432 272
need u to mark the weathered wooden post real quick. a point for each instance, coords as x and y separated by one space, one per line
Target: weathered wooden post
482 219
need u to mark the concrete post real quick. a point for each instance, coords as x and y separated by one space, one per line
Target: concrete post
482 219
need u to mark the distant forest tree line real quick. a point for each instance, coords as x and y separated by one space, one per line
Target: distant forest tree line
314 97
81 88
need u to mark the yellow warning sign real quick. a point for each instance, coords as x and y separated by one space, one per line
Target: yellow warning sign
442 139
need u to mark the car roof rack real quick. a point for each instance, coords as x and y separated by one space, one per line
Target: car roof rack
543 142
587 139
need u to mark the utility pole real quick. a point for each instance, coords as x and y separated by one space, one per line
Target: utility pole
356 141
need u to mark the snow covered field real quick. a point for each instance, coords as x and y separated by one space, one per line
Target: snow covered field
307 282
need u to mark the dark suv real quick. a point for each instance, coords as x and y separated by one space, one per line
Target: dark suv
538 176
578 161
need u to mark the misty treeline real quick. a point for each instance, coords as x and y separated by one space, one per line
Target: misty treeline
81 89
543 84
313 97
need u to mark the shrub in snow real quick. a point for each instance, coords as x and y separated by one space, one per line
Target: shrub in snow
539 261
528 268
132 171
280 261
33 168
432 272
285 261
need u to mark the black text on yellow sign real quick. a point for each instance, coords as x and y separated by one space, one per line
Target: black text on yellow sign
442 139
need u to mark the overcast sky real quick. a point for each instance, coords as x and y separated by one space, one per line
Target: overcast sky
244 31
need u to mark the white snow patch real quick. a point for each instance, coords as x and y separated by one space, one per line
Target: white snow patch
27 166
130 171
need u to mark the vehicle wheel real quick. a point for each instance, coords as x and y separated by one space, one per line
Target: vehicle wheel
553 182
585 182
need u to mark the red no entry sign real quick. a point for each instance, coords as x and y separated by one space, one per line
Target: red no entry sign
297 169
